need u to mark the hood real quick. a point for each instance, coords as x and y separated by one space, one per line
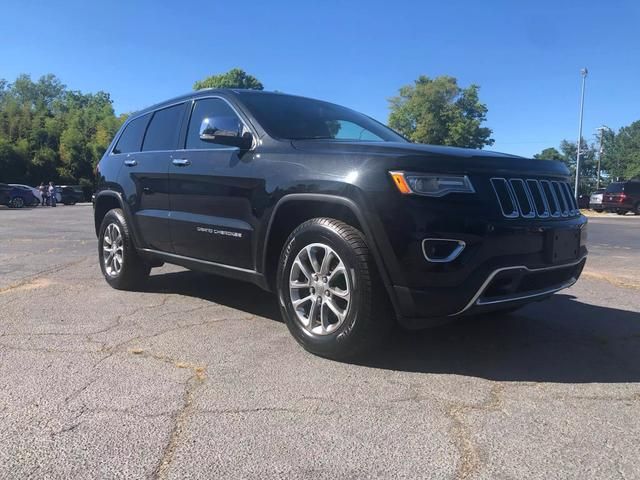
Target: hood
442 158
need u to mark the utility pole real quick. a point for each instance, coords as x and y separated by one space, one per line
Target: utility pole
584 73
601 131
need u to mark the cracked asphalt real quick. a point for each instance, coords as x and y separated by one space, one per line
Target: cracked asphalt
196 376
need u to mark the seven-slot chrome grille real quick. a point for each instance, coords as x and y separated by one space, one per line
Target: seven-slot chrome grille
531 198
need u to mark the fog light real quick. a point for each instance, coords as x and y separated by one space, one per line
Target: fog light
442 250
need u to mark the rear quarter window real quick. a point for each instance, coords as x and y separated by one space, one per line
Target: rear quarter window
131 138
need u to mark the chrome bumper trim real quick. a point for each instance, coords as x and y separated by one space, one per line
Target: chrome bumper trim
474 300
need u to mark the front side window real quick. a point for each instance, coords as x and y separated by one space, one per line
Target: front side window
131 138
298 118
213 110
164 129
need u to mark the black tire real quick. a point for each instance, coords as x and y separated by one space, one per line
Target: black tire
367 319
133 271
17 202
621 212
636 210
598 210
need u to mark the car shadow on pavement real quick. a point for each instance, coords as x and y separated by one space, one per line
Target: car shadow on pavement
228 292
558 340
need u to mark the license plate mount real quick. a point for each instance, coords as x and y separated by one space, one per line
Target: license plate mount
563 245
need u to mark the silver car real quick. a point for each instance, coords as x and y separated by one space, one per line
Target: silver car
595 201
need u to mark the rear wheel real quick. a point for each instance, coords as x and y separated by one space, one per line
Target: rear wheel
121 265
329 292
636 210
17 202
621 212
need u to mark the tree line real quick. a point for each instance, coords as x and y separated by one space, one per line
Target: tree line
618 154
51 133
48 132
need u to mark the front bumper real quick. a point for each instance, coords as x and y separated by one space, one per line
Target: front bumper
503 288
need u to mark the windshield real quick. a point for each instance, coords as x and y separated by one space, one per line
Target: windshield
615 188
297 118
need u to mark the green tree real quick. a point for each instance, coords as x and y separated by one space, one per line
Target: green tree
622 152
440 112
50 133
588 163
549 154
234 78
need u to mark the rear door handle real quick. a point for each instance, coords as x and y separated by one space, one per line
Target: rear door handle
181 162
130 163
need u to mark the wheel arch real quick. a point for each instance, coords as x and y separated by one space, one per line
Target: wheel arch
293 209
107 200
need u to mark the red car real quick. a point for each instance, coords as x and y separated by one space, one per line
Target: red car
622 197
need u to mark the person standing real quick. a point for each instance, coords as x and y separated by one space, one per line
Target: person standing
52 194
43 194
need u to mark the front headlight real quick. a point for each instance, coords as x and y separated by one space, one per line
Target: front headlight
431 184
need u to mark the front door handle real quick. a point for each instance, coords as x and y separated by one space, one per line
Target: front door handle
130 163
181 162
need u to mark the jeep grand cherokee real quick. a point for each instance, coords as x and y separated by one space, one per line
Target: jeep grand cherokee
350 224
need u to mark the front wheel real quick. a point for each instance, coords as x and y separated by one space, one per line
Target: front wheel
121 265
329 292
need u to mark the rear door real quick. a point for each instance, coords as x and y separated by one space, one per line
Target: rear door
212 189
145 176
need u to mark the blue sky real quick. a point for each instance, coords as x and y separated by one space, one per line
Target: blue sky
526 56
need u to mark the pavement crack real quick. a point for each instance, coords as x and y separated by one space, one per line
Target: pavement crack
470 460
179 419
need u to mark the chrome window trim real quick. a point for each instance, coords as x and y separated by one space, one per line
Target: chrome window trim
184 100
547 211
492 275
449 258
532 208
515 213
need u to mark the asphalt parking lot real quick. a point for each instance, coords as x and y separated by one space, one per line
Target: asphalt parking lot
196 377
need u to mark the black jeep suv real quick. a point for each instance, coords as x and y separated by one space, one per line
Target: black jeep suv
352 225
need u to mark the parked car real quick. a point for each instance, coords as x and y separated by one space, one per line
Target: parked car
22 197
595 200
69 196
5 194
350 224
583 201
36 193
622 197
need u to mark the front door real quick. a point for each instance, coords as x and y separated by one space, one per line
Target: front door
211 193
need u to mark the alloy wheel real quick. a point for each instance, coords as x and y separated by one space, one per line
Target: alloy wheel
320 289
112 250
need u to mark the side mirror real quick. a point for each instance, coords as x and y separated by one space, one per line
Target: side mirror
225 131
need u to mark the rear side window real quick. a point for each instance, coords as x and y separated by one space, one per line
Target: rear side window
131 138
615 188
164 129
208 108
